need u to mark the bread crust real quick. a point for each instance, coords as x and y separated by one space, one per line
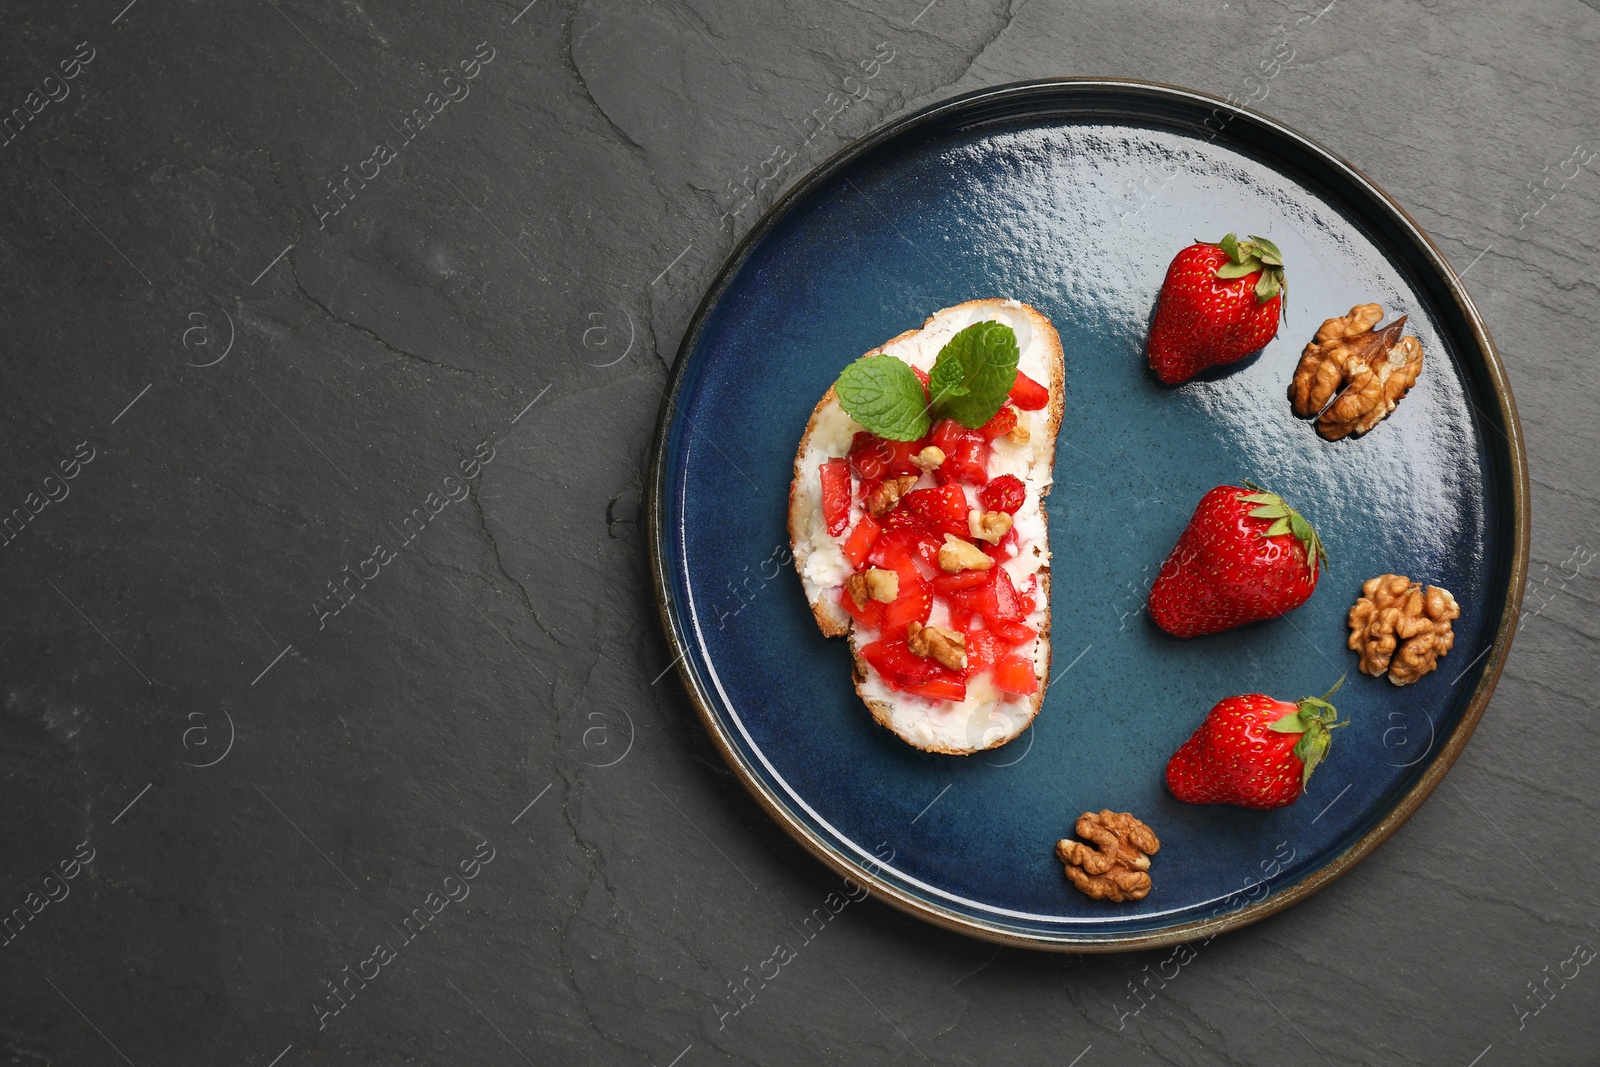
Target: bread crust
833 621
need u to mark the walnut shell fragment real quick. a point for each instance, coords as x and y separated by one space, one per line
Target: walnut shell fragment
1351 376
1398 627
1117 868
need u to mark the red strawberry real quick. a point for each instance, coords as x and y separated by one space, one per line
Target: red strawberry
1253 751
1219 303
1245 555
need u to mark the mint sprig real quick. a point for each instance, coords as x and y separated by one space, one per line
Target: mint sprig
970 380
973 373
883 394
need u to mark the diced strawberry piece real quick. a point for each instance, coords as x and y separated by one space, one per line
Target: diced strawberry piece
893 659
948 433
900 519
940 510
970 465
835 475
1015 674
904 545
903 518
1004 549
875 458
966 453
973 598
869 461
861 540
1028 394
909 573
1000 602
913 604
1028 595
893 548
952 688
922 376
1002 423
1013 633
1005 493
960 617
896 551
983 649
869 615
945 584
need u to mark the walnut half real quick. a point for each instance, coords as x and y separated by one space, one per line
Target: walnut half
886 496
956 555
1117 869
875 583
947 647
1352 375
988 526
1399 628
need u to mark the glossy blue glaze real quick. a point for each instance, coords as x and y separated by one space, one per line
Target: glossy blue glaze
1078 212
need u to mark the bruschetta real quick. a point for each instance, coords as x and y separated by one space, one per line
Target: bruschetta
932 554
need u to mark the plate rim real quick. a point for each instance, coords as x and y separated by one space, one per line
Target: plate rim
1499 650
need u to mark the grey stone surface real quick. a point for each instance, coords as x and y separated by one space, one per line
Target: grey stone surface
542 240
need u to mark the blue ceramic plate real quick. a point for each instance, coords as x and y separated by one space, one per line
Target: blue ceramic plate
1073 196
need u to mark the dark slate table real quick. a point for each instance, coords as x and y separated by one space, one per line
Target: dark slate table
288 279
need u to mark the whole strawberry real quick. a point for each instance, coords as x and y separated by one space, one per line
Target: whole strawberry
1253 751
1245 555
1219 303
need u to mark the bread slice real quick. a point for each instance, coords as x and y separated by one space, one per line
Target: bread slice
988 717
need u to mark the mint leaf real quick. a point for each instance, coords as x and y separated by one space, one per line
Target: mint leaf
883 394
973 373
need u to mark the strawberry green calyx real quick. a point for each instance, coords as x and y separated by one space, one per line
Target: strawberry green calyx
1286 520
1247 257
1312 719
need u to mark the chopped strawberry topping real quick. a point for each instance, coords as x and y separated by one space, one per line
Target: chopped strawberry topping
945 584
903 545
969 600
899 666
1014 674
874 458
1028 394
1028 595
984 605
983 649
901 551
999 601
1013 633
1005 493
869 614
940 510
913 604
835 475
952 688
861 540
966 453
1003 422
